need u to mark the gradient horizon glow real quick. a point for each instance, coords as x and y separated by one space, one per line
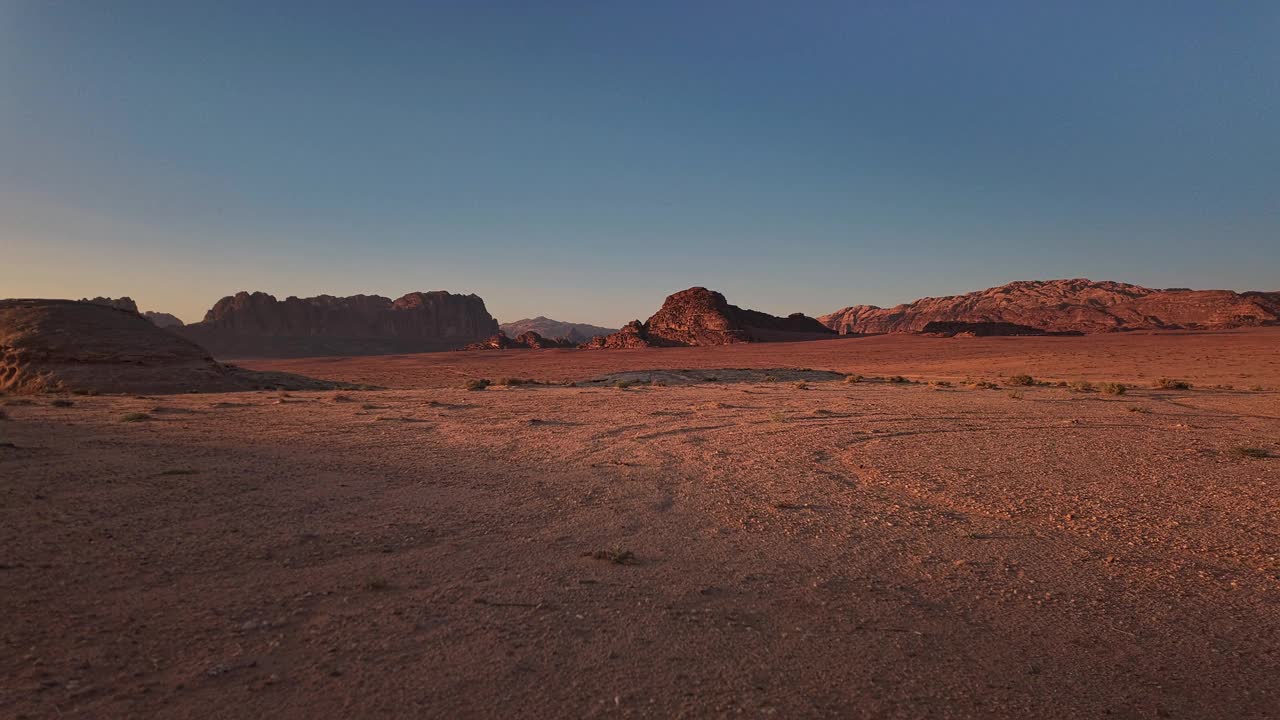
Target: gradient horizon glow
582 160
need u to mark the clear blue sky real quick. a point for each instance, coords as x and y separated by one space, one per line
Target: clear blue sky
583 159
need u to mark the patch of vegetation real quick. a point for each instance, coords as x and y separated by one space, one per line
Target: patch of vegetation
1165 383
940 384
898 380
513 382
622 384
377 584
1113 388
617 556
135 417
985 385
852 378
1081 386
477 384
1021 381
770 378
1015 394
1251 452
1257 388
62 403
801 386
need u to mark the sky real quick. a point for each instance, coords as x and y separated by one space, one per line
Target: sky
582 160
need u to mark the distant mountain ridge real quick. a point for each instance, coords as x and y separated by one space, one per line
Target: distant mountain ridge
1068 306
557 329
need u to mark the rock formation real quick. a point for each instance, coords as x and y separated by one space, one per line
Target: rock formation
259 325
163 320
548 328
1067 306
68 346
123 303
524 341
699 316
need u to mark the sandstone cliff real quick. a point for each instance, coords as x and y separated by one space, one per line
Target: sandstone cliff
1067 306
259 325
699 316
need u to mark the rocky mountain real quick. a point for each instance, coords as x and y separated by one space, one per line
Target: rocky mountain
259 325
163 320
1066 306
68 346
699 316
548 328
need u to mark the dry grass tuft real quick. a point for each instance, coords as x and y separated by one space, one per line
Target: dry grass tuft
1021 381
477 384
1172 384
1113 388
1081 386
617 556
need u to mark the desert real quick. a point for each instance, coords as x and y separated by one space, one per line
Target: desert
665 360
886 526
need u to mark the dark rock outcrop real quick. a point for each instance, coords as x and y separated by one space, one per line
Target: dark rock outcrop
1068 306
67 346
259 325
548 328
525 341
699 316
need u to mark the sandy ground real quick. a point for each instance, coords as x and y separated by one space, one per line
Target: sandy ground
766 549
1242 359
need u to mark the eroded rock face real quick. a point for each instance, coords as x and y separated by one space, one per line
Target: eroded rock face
548 328
68 346
1067 306
699 316
259 325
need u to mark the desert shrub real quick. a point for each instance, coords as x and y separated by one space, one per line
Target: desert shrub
898 380
940 384
1021 381
624 384
1015 394
1081 386
770 378
1257 388
513 382
801 386
1113 388
985 385
135 417
1252 452
852 378
1172 384
477 384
